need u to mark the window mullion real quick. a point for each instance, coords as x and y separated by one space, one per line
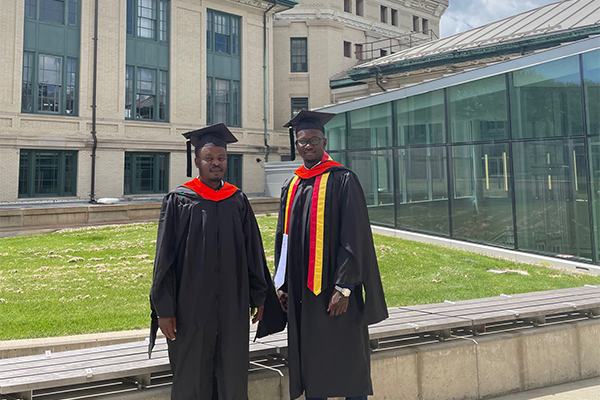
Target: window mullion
229 103
230 33
155 173
134 182
157 21
63 85
31 173
60 176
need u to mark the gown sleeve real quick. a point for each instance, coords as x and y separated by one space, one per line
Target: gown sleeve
257 264
355 251
356 259
162 292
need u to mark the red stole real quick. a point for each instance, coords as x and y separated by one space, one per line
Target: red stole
317 220
208 193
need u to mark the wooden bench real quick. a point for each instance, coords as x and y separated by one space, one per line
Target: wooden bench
126 367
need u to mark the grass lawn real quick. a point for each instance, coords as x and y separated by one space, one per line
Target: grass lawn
97 279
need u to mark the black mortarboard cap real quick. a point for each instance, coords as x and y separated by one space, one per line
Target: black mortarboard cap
310 120
307 120
213 135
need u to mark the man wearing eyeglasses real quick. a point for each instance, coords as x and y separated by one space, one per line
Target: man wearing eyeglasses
327 275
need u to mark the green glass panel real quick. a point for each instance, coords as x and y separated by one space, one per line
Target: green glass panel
299 61
422 192
337 156
46 173
233 173
551 197
477 110
375 172
420 119
594 145
482 205
24 169
146 173
591 82
546 100
335 132
371 127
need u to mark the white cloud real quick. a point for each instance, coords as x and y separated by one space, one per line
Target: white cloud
463 15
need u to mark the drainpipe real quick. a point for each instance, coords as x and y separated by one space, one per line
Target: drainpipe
265 78
377 80
95 79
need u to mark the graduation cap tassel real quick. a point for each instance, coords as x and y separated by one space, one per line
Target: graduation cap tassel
188 145
292 148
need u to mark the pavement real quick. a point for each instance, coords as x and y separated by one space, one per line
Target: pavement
587 389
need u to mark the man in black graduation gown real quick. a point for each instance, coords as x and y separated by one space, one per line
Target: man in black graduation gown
327 271
209 270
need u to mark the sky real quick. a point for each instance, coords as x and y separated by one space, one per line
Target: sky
463 15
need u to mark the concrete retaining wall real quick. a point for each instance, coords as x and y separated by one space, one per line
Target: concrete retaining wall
39 217
491 365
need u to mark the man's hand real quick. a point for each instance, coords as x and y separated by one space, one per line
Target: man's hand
168 326
338 304
283 299
257 313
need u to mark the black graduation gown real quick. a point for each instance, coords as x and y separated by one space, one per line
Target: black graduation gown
330 356
209 269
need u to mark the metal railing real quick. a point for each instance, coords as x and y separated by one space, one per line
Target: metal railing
384 47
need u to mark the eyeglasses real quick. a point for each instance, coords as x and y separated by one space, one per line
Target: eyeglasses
314 141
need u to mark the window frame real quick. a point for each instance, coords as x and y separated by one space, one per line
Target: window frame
234 33
133 91
36 5
132 187
383 14
234 172
358 51
233 107
347 49
60 170
132 21
299 67
35 82
394 17
300 103
360 11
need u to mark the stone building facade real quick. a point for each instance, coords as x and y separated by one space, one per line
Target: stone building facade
163 68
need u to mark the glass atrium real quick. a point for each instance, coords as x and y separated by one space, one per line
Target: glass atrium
506 155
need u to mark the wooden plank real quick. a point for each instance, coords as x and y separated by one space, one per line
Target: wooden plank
61 359
547 305
447 308
557 293
102 373
64 354
379 332
97 353
44 372
39 371
532 312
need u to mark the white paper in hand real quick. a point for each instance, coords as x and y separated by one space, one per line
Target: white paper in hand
280 273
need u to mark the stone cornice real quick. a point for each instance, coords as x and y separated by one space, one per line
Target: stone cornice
263 5
346 19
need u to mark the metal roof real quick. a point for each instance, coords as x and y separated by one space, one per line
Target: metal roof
561 51
548 20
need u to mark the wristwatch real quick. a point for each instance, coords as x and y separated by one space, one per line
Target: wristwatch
344 291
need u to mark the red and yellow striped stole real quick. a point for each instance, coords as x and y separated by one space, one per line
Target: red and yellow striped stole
317 217
288 205
317 227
